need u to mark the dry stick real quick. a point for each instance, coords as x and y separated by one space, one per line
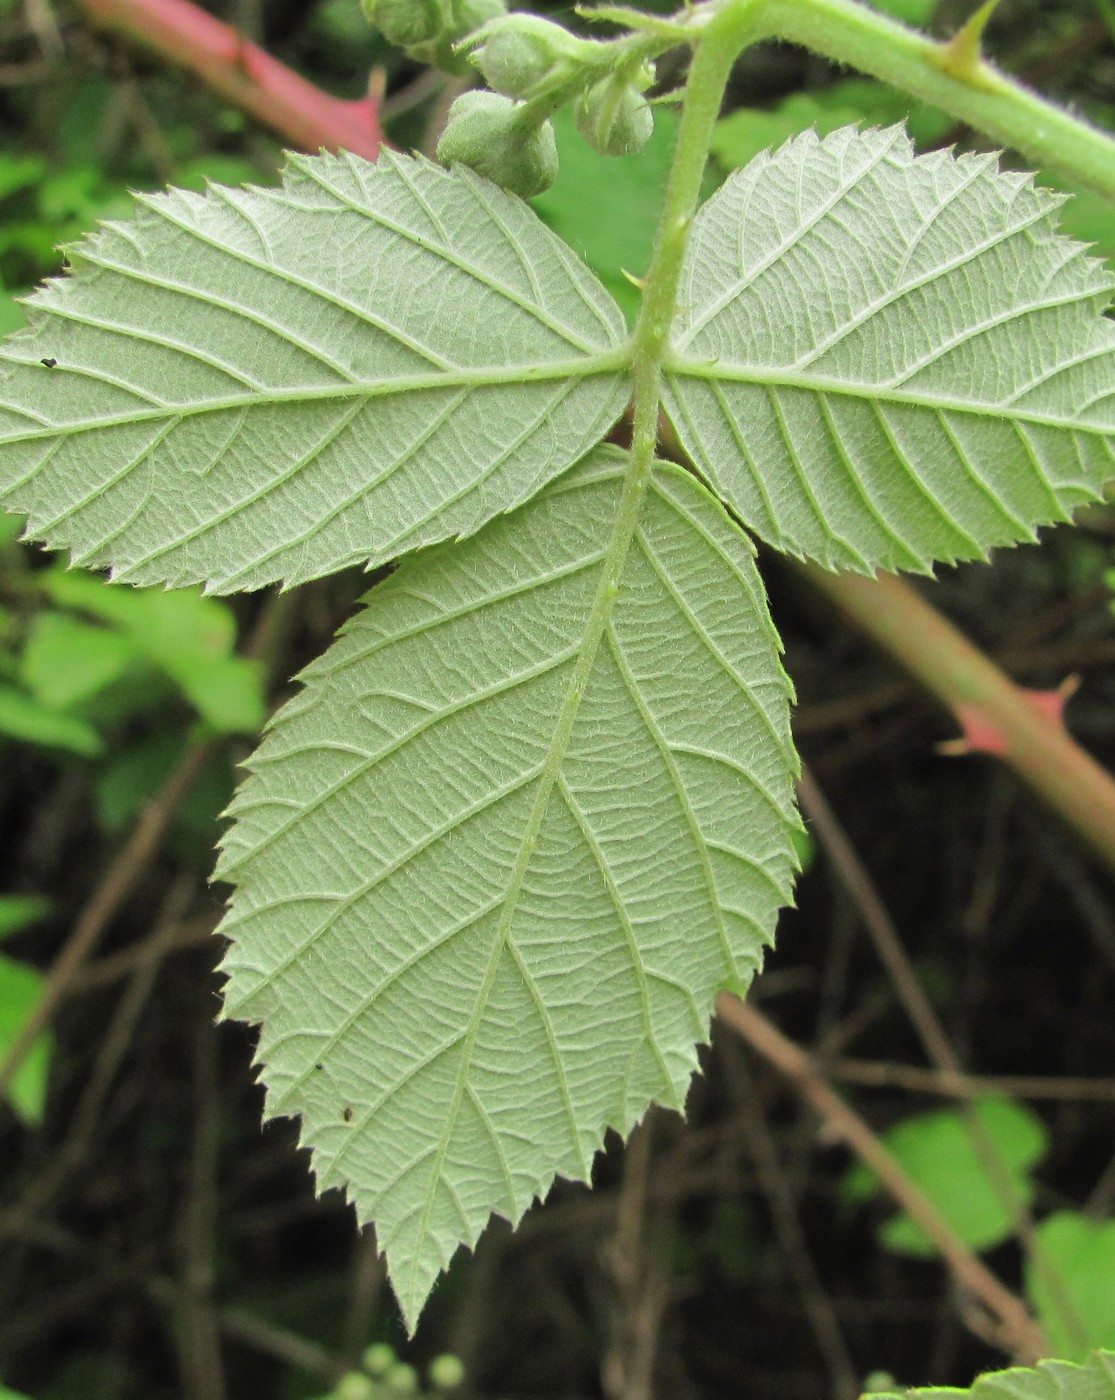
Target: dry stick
861 889
46 1183
1019 1333
244 74
642 1290
882 1074
787 1223
114 888
996 715
199 1347
366 1279
176 938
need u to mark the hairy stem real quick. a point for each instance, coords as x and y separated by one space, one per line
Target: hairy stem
945 75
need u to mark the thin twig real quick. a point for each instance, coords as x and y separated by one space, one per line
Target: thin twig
118 882
883 1074
818 1305
46 1183
199 1349
861 889
1019 1333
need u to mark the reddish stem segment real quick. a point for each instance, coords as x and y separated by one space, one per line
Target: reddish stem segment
244 74
1022 728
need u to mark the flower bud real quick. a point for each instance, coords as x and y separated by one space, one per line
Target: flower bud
446 1371
379 1358
485 132
354 1386
403 1379
614 118
405 22
519 51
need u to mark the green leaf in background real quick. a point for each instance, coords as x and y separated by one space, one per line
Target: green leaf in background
6 1394
884 360
555 904
17 911
28 719
606 207
20 989
937 1153
225 409
1049 1380
740 137
916 13
186 635
66 661
1082 1252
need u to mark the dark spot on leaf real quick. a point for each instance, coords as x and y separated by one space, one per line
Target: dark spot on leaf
319 1065
49 363
347 1115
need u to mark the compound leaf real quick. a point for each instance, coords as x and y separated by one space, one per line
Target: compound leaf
882 360
498 855
1049 1380
270 384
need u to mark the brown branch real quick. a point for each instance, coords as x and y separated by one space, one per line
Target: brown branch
884 1074
1019 1333
244 74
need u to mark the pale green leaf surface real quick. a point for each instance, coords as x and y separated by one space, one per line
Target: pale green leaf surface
1082 1252
476 937
271 384
882 360
1049 1380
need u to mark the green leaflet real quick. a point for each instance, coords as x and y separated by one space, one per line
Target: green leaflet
271 384
475 939
1050 1380
884 360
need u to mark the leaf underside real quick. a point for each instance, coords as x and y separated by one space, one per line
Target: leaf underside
475 944
1094 1379
267 385
882 360
497 857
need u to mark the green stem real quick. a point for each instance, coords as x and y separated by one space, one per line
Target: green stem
721 39
935 72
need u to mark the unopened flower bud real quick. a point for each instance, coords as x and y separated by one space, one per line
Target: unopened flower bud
446 1371
614 118
519 51
406 22
403 1380
485 132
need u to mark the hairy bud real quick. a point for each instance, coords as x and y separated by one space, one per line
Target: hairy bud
485 132
614 118
406 22
518 52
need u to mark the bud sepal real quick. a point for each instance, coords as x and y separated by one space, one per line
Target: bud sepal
488 132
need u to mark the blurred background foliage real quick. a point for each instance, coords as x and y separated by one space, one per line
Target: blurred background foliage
156 1243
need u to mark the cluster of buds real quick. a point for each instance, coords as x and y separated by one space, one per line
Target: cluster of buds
532 66
430 30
